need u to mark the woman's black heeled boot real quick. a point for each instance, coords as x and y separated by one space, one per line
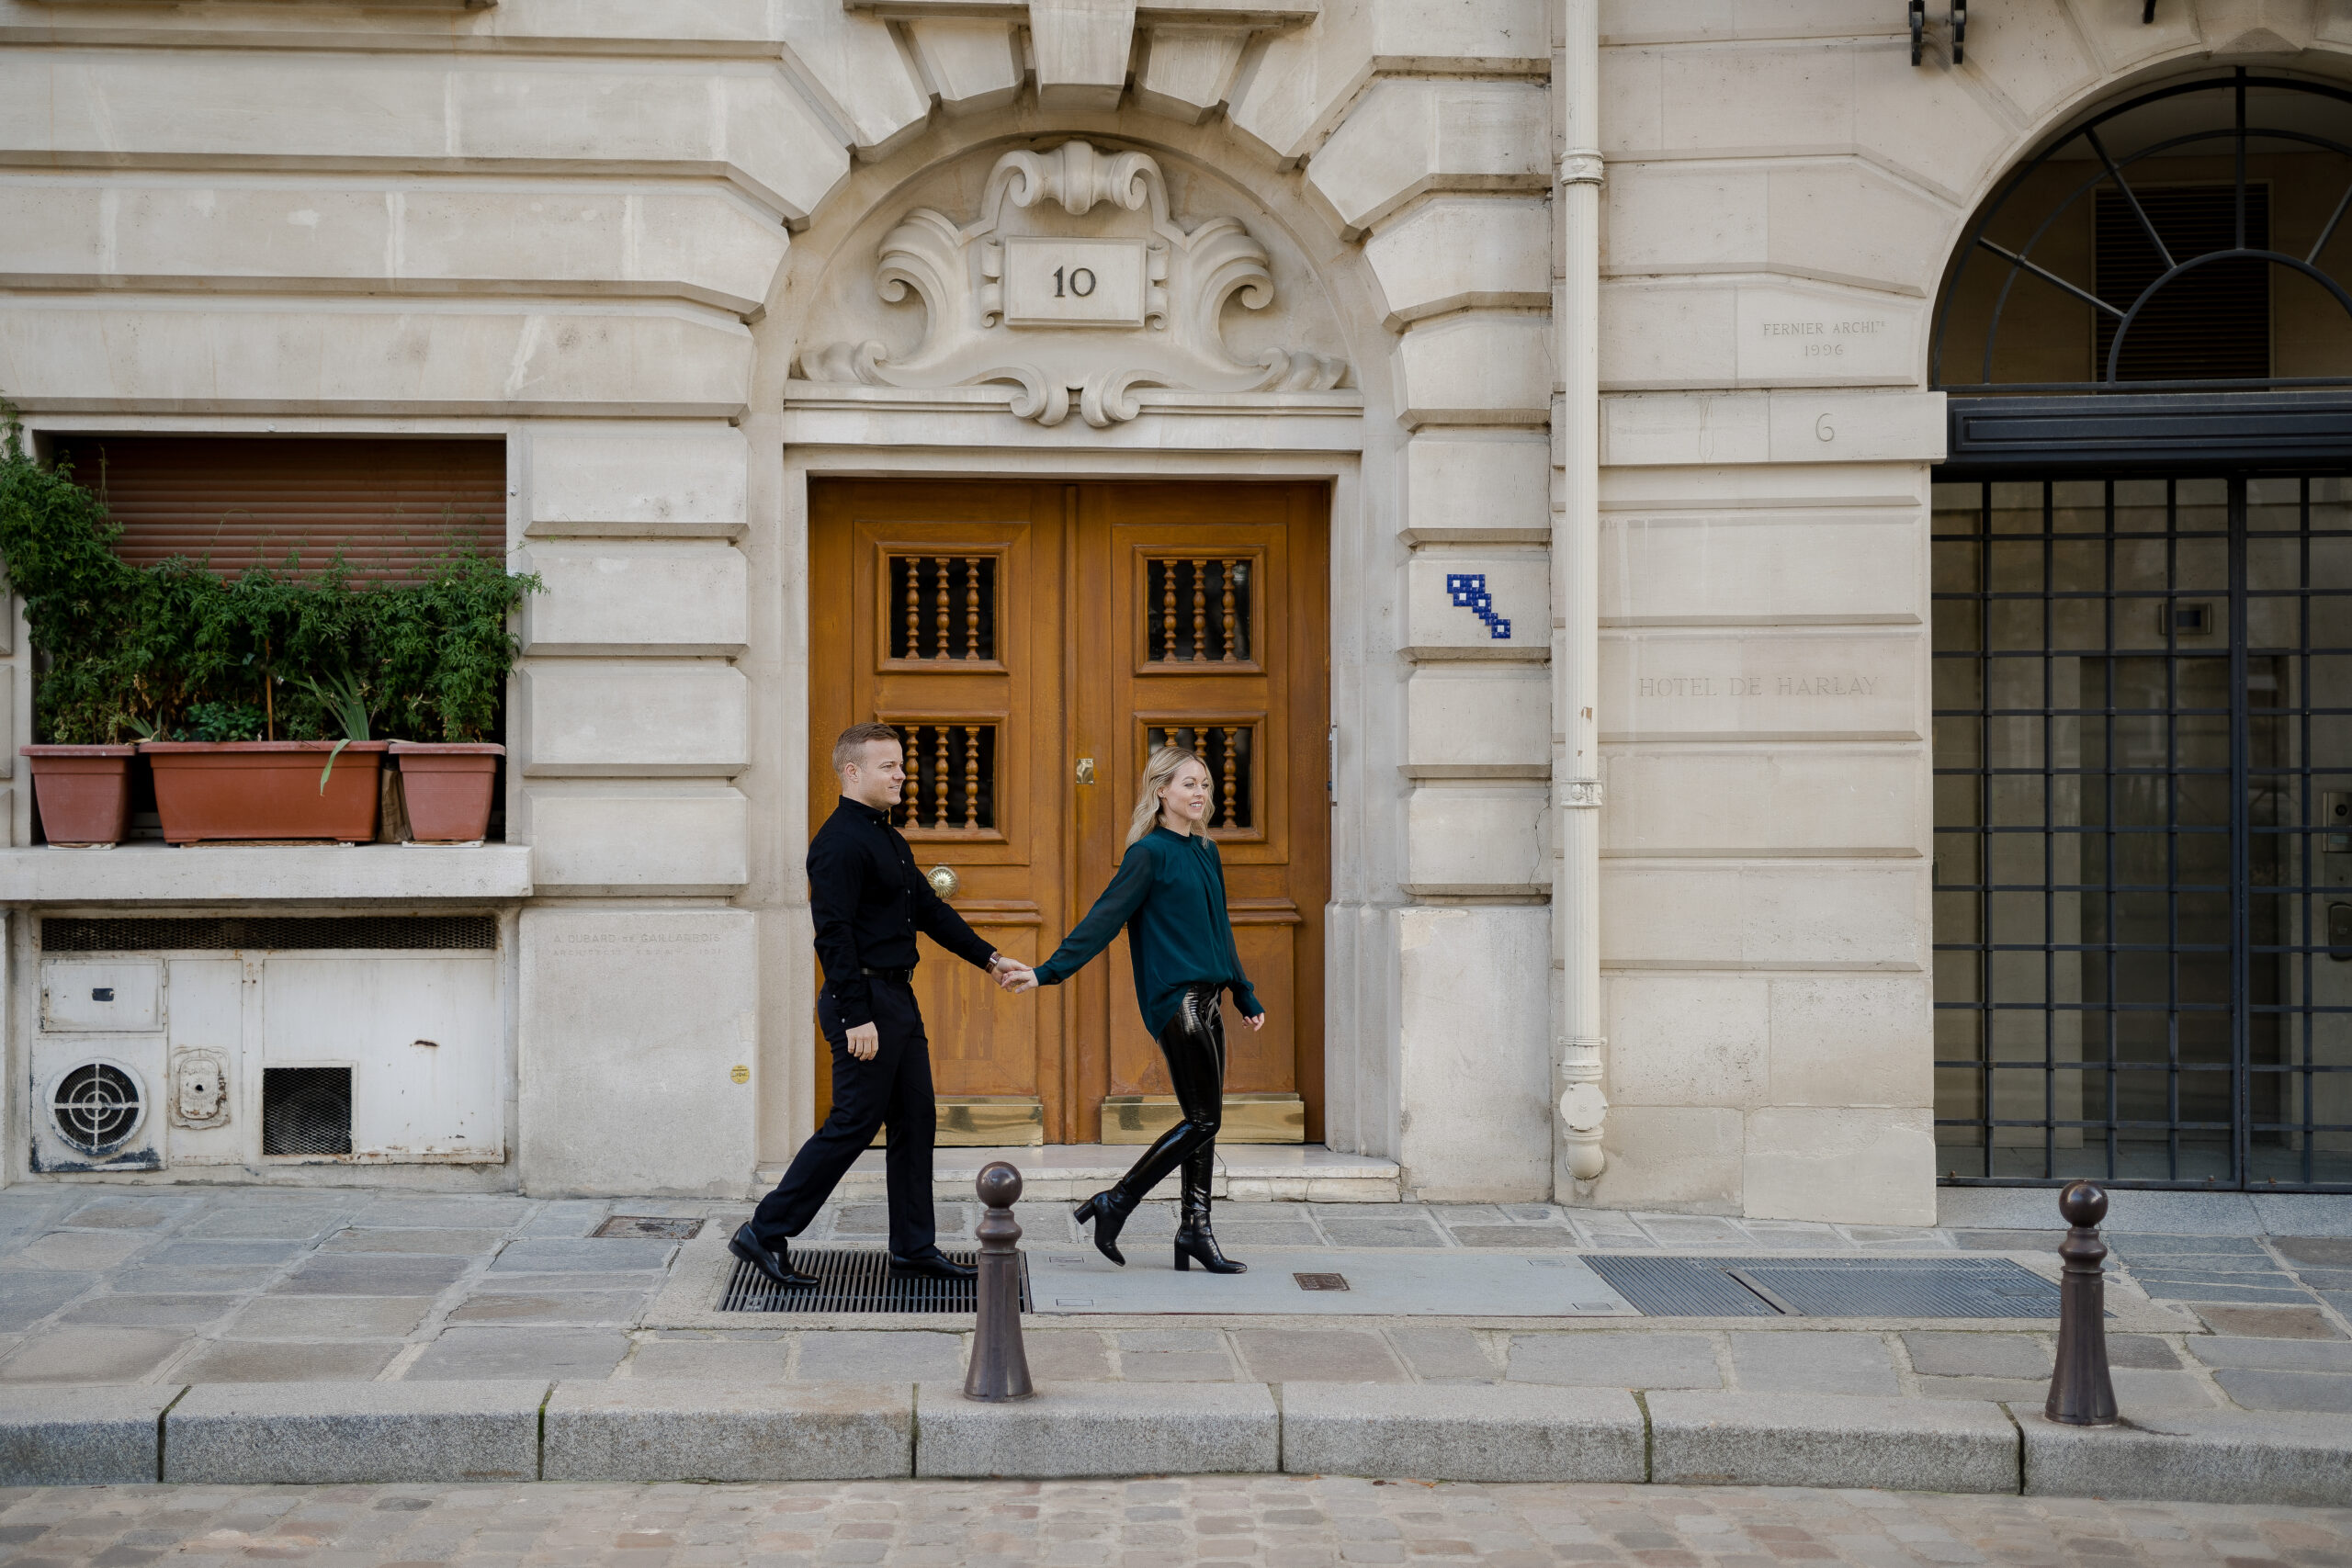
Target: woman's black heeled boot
1108 1210
1195 1242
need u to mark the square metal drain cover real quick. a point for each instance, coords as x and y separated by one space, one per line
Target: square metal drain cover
649 1226
1828 1287
1321 1281
855 1279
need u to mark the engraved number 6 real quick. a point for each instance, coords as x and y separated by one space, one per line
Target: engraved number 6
1823 429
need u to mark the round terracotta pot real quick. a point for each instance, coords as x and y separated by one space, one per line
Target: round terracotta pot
446 788
264 789
84 793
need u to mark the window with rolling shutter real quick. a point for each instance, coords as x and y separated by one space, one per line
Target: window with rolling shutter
239 501
2213 322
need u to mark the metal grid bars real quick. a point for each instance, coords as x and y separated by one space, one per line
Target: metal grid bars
272 934
2142 721
855 1279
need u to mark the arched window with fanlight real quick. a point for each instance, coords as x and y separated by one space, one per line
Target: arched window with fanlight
2142 648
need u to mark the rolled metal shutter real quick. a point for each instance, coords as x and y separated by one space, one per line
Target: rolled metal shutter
239 501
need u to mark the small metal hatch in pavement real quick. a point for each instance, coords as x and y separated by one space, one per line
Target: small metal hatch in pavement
1826 1287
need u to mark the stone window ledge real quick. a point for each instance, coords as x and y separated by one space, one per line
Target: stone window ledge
325 874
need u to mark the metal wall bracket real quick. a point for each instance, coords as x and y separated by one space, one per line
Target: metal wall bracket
1959 31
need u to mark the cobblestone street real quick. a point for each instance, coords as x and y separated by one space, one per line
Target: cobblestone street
1279 1522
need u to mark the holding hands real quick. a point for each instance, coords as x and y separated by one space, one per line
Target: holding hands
1012 975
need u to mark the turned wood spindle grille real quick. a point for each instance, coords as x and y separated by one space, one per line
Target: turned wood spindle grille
951 778
942 608
1199 611
1227 749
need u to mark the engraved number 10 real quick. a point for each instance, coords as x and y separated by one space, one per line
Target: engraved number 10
1081 282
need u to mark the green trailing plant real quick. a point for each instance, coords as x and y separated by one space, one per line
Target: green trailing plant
177 651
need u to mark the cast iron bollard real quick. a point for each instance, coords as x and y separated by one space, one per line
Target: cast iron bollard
2081 1393
1000 1369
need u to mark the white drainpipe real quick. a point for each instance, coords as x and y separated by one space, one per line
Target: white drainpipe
1575 570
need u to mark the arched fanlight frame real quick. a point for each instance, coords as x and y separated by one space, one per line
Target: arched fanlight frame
2020 264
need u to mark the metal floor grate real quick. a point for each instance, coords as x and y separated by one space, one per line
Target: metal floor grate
854 1281
1828 1287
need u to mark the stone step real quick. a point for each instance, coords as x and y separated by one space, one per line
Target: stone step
1245 1173
340 1433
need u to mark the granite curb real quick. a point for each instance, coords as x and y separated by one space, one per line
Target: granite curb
331 1433
692 1429
1835 1440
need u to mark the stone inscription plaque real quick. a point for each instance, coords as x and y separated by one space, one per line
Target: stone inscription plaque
1054 282
1788 336
1831 687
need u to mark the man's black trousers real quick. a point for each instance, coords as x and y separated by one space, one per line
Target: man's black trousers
893 1091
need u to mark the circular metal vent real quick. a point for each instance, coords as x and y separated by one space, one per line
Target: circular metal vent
96 1107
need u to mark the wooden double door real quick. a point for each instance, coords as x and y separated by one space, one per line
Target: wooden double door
1032 643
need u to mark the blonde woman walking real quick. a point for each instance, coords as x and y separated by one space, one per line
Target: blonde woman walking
1169 895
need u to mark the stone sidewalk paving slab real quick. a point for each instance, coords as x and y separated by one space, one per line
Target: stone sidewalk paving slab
1462 1432
704 1430
1781 1439
1071 1430
84 1436
2206 1457
322 1434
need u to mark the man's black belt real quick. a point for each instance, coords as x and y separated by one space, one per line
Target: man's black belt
904 976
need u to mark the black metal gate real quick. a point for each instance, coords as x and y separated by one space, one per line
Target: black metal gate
2144 829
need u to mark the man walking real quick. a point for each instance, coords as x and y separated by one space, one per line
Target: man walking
868 901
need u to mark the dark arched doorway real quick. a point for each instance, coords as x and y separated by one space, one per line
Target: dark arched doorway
2143 599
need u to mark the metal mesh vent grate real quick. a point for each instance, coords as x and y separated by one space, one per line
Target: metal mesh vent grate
306 1111
270 932
857 1280
96 1107
1828 1287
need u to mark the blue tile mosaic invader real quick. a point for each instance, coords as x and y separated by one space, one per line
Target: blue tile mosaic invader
1468 590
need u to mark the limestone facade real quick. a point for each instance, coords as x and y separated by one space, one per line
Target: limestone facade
628 238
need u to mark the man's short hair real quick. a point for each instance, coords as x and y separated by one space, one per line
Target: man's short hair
845 750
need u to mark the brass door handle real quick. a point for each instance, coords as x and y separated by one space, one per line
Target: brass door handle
943 881
1086 769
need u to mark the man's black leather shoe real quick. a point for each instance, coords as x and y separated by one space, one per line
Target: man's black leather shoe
774 1265
933 1265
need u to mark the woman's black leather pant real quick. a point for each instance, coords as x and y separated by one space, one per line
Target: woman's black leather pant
1194 1046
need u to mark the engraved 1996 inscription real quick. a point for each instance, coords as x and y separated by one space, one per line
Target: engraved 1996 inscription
1824 339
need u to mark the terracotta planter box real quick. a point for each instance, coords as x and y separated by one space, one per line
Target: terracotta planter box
84 793
264 789
446 789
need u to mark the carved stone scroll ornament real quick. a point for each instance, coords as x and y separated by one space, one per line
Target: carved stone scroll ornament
1133 299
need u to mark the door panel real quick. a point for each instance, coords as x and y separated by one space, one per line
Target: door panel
936 610
1011 631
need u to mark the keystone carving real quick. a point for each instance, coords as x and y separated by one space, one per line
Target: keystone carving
1132 298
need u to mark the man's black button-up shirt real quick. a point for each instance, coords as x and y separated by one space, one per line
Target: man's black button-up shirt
868 899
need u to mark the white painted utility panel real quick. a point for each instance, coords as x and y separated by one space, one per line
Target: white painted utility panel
308 1055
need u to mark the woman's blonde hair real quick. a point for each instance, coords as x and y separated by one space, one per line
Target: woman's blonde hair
1156 772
